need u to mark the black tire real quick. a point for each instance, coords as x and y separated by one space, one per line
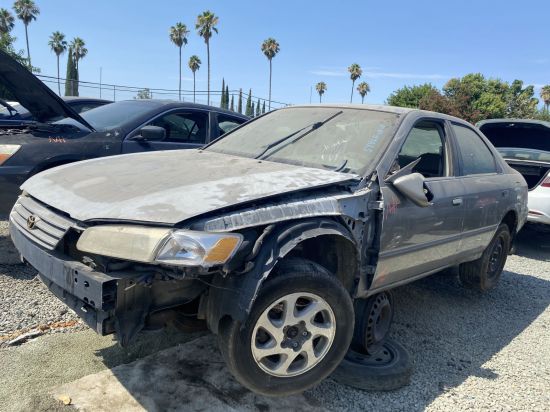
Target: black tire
373 317
388 370
484 273
291 276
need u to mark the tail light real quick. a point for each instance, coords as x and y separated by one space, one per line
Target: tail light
546 181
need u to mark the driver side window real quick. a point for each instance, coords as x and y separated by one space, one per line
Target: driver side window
425 141
184 127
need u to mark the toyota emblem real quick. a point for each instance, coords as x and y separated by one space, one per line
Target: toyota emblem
31 222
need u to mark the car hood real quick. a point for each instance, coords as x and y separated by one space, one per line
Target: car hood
32 94
170 186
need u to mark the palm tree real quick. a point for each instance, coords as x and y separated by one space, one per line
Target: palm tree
79 50
26 11
355 72
545 95
178 35
321 88
206 24
270 48
58 44
194 65
6 21
363 88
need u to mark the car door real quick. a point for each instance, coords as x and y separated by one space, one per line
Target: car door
416 240
486 188
185 129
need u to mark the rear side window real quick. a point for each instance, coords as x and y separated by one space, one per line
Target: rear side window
184 127
227 123
476 156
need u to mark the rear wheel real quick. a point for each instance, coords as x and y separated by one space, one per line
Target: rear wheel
298 331
484 273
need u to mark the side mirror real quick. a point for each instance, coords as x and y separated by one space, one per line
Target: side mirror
412 186
150 134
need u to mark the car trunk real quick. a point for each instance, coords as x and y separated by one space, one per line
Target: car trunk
534 137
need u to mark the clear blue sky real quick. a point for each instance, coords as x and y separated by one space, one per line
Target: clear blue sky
398 42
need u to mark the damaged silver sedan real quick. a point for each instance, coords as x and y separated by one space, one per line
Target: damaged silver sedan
284 237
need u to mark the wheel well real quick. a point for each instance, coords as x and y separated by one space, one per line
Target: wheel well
511 219
335 253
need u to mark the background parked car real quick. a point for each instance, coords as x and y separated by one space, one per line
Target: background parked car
121 127
14 114
525 145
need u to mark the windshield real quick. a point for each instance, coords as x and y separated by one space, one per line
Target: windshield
524 154
114 115
340 139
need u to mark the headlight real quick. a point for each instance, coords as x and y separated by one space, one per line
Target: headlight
7 151
167 246
190 248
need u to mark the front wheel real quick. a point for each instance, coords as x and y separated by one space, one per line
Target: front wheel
297 332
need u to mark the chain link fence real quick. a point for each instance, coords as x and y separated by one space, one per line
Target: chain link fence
117 92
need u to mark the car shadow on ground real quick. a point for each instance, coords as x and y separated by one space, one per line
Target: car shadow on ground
450 332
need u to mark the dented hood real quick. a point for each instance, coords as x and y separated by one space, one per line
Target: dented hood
168 187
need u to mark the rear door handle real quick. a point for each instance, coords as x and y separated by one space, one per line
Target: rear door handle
457 201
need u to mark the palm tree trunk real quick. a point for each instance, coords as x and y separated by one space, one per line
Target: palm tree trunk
362 99
193 86
28 49
208 57
179 88
270 68
58 83
352 86
320 97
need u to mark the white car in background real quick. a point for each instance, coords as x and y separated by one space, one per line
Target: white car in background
525 145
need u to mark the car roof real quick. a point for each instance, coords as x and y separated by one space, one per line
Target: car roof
87 99
169 104
388 109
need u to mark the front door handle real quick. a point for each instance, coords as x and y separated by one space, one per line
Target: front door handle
457 201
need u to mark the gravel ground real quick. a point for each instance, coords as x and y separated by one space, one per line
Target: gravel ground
470 350
24 301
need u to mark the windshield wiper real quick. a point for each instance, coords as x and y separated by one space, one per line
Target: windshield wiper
311 127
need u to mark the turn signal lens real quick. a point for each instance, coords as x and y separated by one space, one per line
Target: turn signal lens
7 151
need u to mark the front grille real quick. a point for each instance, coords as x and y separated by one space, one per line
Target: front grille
38 223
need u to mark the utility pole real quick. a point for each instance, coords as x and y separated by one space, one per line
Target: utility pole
114 93
100 75
310 93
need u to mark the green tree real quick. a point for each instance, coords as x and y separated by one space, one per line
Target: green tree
263 108
545 96
232 107
205 26
258 112
355 73
26 11
194 65
363 88
249 104
79 51
226 96
521 101
410 96
240 102
270 48
6 21
321 88
222 96
58 44
144 94
178 36
71 80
